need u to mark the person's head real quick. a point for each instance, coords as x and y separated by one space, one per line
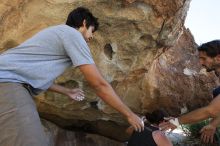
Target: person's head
209 55
156 117
83 20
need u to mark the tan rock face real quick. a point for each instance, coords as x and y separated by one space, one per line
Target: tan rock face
141 48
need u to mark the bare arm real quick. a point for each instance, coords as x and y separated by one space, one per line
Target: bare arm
104 90
59 89
212 110
76 93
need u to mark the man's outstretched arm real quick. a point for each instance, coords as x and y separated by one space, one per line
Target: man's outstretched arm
210 111
104 90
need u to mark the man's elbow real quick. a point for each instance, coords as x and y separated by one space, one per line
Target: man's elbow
212 111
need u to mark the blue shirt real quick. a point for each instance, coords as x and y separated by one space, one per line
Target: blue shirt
42 58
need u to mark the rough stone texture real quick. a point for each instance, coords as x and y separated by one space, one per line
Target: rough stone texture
141 48
59 137
175 81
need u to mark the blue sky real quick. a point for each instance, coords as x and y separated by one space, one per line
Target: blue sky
203 20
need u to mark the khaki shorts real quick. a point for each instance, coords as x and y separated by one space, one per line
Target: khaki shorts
19 120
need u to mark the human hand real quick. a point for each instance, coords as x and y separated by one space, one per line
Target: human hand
136 122
168 124
207 133
76 94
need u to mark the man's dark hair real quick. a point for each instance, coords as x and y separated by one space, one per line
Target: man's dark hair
212 48
156 116
76 17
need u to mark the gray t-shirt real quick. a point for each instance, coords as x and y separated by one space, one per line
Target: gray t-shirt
42 58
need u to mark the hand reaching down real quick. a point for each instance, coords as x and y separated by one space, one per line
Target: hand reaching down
207 133
76 94
136 122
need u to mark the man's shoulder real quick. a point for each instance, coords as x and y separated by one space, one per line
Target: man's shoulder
66 30
63 27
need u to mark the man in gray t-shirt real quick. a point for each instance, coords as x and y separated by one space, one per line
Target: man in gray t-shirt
45 56
33 66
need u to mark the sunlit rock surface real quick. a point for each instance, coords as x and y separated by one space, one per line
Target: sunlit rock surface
141 48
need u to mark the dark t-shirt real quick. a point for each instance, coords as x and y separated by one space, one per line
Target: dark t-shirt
143 138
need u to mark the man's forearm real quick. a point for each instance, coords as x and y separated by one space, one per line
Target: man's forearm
58 89
195 116
107 94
